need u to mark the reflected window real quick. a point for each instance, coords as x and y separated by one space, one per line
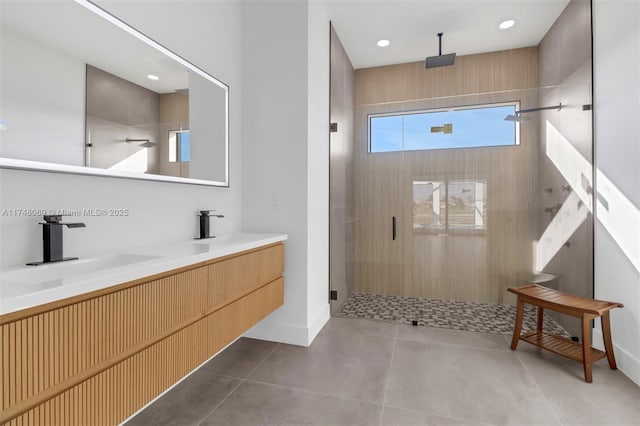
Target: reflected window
429 205
179 146
450 206
458 127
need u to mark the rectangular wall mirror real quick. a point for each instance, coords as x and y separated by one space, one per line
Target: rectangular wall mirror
88 94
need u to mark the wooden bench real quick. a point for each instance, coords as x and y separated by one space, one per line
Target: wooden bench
586 309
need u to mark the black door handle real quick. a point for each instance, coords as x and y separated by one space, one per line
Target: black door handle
393 228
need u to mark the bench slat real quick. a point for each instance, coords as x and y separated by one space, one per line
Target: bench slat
561 346
565 302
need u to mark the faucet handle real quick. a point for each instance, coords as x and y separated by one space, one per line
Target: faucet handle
206 212
50 218
55 220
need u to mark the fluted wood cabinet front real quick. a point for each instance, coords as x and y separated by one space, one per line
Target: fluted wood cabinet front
96 359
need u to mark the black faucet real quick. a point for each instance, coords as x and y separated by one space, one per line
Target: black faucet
204 223
52 239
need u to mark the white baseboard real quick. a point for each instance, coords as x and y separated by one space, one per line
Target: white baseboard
627 364
292 334
318 322
279 332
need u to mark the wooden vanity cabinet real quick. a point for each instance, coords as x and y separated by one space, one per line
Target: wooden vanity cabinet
97 358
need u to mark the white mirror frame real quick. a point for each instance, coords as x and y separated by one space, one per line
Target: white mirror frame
10 163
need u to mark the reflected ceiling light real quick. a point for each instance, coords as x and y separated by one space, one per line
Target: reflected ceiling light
153 77
505 25
383 43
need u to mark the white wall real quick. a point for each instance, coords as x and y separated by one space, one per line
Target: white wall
286 56
616 31
318 55
159 211
41 93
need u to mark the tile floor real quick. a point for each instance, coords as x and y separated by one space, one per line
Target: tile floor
365 372
452 314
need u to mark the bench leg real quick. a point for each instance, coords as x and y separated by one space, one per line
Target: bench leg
608 344
518 326
586 348
540 319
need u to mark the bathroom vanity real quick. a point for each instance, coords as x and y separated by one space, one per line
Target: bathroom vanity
93 347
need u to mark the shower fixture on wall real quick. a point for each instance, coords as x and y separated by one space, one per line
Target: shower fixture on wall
446 128
519 118
440 60
146 143
553 209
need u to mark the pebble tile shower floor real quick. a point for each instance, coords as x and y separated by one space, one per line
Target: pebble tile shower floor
451 314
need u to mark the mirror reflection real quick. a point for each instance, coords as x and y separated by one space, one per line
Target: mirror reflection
86 94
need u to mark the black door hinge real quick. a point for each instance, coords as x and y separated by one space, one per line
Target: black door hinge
333 127
333 295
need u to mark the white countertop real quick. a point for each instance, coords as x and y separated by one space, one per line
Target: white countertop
30 286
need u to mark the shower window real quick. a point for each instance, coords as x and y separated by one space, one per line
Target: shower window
179 146
445 128
450 206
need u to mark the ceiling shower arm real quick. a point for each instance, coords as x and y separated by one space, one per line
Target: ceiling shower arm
440 43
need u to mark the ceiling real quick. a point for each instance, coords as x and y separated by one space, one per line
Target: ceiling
86 37
469 26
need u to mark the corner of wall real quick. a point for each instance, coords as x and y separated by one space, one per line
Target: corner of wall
627 363
318 57
286 166
616 52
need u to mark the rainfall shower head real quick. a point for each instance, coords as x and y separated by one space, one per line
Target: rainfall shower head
440 60
516 118
146 143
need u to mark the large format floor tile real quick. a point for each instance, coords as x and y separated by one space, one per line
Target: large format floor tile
476 384
188 403
362 372
350 365
262 404
453 337
392 416
361 326
240 358
611 399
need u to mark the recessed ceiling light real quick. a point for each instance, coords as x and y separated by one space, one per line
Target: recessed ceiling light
383 43
507 24
153 77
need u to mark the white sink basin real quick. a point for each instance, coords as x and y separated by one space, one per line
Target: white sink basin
29 286
35 278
